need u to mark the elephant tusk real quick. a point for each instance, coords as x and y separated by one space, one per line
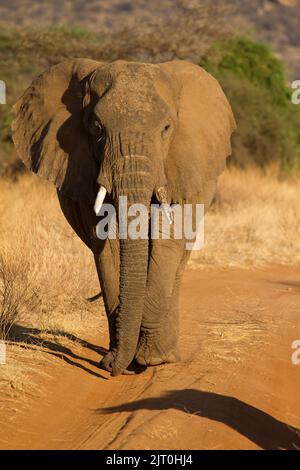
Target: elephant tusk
163 199
99 200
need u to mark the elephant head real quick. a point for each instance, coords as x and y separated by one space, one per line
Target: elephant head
127 129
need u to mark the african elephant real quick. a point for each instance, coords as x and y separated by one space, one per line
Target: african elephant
153 133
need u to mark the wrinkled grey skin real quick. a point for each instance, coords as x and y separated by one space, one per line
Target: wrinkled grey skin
131 114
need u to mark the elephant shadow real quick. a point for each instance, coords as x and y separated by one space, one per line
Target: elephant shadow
30 338
256 425
289 285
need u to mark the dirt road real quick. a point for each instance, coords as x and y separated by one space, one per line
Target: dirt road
235 388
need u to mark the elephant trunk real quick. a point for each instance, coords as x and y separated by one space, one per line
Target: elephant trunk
134 182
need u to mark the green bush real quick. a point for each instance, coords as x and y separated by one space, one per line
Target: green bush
254 81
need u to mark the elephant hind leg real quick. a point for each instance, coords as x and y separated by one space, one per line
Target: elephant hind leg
159 331
170 327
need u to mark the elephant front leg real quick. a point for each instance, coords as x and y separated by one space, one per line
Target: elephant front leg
159 331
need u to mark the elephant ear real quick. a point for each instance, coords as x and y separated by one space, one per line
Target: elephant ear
48 130
202 141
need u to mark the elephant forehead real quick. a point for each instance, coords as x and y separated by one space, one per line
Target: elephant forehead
132 102
123 76
132 98
128 89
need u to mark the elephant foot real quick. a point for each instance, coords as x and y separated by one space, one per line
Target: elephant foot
153 352
107 363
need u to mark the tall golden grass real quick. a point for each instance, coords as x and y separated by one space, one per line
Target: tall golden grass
46 275
41 250
255 221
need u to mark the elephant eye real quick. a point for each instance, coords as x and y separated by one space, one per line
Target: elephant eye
98 130
97 125
166 130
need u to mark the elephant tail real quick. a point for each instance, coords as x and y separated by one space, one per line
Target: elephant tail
95 297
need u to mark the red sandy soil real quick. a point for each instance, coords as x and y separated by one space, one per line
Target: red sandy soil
235 387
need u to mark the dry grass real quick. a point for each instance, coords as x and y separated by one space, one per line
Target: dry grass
46 274
37 239
17 294
255 221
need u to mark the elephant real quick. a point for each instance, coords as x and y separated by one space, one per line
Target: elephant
153 133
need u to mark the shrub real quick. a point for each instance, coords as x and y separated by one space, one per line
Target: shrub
17 295
254 81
